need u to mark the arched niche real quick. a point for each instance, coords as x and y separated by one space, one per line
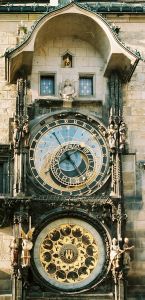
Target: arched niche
67 60
73 20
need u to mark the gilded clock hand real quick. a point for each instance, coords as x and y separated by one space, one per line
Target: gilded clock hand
73 163
65 154
68 156
60 144
61 160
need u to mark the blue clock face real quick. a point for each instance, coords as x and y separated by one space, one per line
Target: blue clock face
70 157
70 161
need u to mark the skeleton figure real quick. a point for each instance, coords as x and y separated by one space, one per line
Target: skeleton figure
27 245
126 255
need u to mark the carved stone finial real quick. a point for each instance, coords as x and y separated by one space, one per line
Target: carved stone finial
21 32
115 28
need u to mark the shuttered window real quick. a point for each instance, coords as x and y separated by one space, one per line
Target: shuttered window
86 85
47 85
4 178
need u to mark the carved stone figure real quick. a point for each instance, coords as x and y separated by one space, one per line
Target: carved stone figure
68 91
103 130
27 245
14 252
122 135
25 133
126 255
115 254
16 134
112 137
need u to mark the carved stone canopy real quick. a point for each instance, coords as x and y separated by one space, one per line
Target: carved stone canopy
84 24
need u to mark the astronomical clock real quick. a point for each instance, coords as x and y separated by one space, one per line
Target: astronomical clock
69 162
69 155
68 170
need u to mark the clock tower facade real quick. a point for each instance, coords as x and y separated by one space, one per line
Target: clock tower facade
68 140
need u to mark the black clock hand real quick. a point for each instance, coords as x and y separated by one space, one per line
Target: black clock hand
69 157
56 137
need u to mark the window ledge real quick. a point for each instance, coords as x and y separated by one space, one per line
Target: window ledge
57 99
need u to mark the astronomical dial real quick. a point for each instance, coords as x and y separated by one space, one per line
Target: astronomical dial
70 157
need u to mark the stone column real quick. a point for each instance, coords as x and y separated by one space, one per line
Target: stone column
20 139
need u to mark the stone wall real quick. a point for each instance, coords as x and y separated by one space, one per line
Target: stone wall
5 262
132 32
8 34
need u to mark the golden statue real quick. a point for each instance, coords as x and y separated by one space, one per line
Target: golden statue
27 245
